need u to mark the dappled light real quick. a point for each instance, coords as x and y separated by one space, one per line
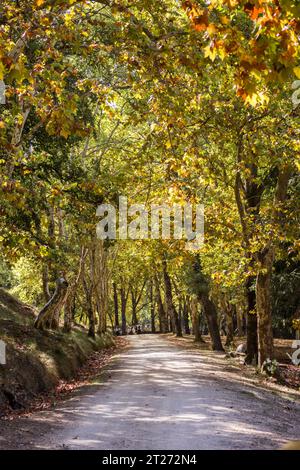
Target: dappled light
156 395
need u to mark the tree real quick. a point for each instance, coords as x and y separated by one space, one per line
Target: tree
195 320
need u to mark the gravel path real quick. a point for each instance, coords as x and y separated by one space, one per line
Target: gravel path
156 395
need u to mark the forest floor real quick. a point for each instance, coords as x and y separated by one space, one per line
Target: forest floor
287 377
159 394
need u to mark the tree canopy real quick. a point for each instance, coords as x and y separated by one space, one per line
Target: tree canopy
164 103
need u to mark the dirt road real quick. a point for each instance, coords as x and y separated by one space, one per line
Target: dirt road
156 395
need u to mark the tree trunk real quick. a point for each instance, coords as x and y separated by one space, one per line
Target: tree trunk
123 310
171 325
152 308
90 310
92 321
211 316
240 321
161 311
180 314
49 314
69 309
134 320
116 306
263 280
264 312
229 323
100 276
169 301
195 321
185 315
253 194
252 343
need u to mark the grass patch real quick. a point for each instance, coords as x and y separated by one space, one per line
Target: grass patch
36 361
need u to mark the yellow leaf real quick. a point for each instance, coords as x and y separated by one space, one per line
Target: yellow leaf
252 99
222 53
225 20
211 29
297 71
2 70
257 98
211 53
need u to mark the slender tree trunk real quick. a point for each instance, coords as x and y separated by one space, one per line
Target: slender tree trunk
185 313
159 322
123 310
92 321
180 314
229 323
69 308
134 320
161 310
69 311
240 321
89 309
252 343
152 307
116 306
264 313
100 274
169 301
211 316
171 325
195 321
